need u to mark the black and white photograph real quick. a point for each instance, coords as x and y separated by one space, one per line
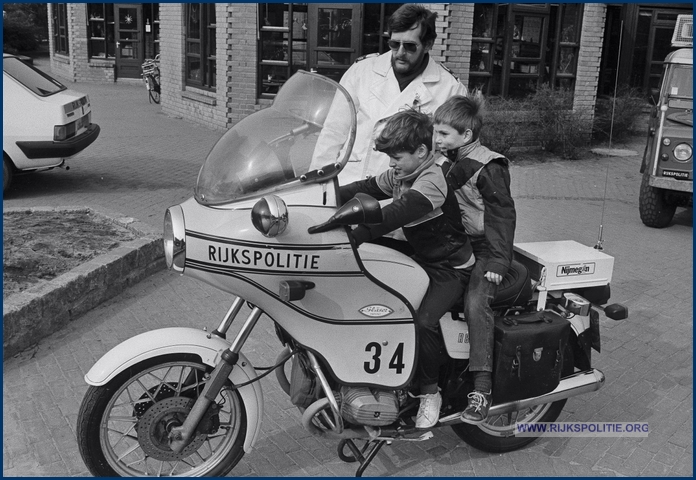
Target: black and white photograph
348 239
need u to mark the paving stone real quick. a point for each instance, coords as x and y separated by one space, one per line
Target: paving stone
647 359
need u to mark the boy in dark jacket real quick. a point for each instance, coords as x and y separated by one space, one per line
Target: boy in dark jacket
481 180
429 214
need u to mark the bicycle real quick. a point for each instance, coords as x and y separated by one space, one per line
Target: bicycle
151 77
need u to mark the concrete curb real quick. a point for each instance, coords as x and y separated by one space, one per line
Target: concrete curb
44 309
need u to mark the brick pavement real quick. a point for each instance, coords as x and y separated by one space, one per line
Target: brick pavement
145 161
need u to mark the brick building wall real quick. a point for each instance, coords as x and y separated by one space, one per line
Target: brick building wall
77 66
241 65
589 59
203 106
60 64
234 96
460 27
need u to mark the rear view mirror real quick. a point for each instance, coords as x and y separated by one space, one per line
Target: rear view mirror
362 208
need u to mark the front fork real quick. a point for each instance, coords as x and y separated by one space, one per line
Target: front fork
180 437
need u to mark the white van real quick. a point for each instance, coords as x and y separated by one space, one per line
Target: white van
44 123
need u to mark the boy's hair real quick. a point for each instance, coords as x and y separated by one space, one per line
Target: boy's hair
405 131
462 113
410 13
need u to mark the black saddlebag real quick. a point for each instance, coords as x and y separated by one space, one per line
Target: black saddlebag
528 355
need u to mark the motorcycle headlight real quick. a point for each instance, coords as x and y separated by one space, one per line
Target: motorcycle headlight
270 216
683 152
175 238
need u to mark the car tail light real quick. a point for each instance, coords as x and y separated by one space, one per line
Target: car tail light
63 132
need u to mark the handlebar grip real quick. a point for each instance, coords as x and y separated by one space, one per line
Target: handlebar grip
324 227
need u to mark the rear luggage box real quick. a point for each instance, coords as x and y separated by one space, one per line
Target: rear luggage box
565 264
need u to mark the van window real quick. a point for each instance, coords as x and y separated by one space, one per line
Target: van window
32 78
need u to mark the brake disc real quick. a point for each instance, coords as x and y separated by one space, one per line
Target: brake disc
154 427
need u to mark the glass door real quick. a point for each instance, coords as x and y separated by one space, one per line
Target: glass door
334 42
129 45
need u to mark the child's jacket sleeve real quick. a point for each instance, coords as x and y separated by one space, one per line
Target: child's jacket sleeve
411 206
499 217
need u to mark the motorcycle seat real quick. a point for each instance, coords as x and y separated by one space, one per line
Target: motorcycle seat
515 289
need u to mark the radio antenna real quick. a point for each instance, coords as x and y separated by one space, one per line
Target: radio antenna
600 241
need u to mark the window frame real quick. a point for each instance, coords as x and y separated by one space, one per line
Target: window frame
61 37
206 51
545 66
288 62
108 27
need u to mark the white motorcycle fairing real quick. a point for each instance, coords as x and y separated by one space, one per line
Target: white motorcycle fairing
177 340
356 296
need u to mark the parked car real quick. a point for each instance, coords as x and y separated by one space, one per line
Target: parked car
668 164
44 123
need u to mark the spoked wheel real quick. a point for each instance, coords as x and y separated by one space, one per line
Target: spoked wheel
153 90
496 433
155 95
123 427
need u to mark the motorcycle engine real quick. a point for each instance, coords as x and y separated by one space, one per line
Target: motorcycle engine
367 406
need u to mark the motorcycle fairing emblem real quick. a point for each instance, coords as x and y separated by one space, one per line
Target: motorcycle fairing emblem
376 311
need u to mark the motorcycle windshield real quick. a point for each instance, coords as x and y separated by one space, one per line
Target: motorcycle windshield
305 136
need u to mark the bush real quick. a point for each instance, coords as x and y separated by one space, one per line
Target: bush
625 107
557 128
20 28
503 125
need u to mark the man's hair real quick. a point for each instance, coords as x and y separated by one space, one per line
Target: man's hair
462 113
410 13
404 132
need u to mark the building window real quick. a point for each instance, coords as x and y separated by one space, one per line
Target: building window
152 29
286 43
374 27
517 48
283 35
200 45
100 30
60 28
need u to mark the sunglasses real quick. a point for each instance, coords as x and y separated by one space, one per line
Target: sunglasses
409 47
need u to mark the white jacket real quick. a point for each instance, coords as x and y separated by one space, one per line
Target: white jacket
375 91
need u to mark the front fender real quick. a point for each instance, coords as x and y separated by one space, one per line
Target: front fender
183 340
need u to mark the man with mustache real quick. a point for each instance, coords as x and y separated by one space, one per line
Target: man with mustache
405 76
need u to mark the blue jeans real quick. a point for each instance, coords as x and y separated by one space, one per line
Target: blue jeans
479 316
446 288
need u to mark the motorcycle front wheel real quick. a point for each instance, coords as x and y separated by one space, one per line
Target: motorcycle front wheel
122 427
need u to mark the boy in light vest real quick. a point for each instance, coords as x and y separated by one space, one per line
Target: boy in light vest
481 181
428 212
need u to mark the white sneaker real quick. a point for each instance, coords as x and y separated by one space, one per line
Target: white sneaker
429 410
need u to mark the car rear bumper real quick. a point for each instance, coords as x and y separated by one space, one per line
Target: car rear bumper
66 148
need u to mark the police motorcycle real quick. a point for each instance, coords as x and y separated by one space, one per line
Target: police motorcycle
184 401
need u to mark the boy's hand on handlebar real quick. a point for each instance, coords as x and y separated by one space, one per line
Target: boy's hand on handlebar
494 277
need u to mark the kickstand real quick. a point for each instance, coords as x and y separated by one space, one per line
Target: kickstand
371 447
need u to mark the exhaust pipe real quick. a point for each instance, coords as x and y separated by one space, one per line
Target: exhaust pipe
576 384
571 386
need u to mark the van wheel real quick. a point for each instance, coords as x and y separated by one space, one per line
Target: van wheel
7 173
655 210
